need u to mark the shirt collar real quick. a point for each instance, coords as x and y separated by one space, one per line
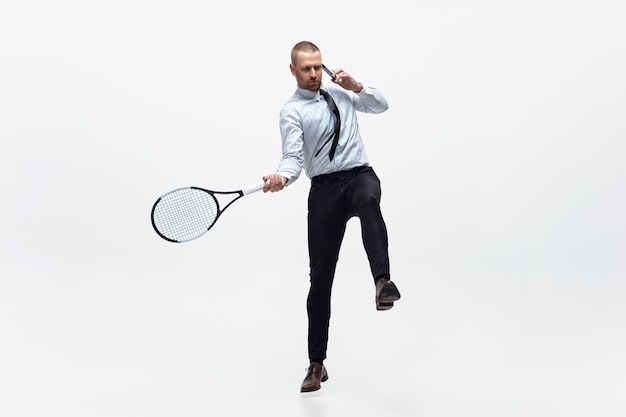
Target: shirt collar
308 93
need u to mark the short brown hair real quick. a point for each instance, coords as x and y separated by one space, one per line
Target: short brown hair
302 46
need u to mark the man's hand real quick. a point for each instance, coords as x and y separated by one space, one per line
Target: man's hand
346 81
274 182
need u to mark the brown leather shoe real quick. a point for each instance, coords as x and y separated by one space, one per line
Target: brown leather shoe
316 374
386 294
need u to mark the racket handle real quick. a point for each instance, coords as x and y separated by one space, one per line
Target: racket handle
253 188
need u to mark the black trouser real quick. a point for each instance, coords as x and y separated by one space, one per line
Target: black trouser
333 199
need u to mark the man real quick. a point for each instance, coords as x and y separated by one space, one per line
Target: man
343 185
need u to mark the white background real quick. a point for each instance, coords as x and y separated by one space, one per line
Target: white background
503 171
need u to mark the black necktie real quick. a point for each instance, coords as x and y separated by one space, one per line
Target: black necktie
335 137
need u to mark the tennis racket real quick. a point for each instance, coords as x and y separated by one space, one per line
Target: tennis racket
187 213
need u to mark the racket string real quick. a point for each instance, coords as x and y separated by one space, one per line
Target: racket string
185 214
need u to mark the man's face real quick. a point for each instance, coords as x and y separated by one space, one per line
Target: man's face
308 70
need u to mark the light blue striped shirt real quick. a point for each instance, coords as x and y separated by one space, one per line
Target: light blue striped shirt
306 123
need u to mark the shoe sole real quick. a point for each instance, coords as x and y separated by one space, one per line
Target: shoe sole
382 306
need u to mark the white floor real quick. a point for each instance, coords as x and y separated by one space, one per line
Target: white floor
141 343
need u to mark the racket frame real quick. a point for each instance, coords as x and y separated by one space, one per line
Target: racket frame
238 194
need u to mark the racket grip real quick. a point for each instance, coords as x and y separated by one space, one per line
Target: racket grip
253 188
